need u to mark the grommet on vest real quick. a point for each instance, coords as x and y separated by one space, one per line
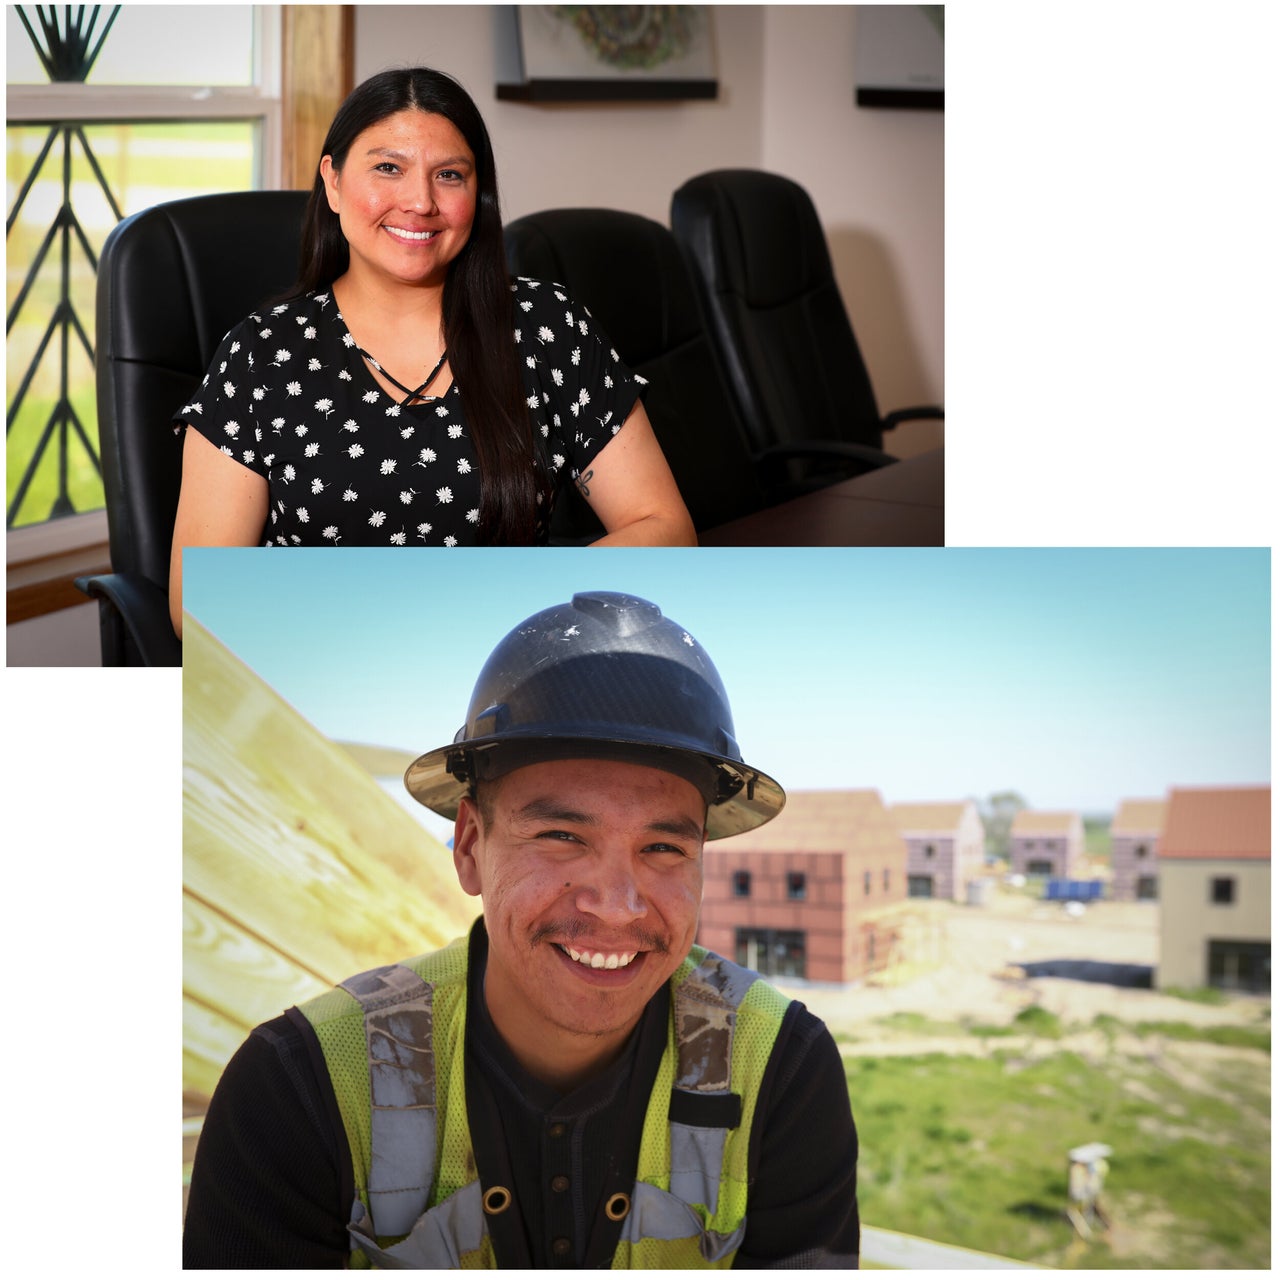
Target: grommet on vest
617 1206
496 1200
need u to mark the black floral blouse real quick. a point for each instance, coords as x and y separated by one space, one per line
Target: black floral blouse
289 396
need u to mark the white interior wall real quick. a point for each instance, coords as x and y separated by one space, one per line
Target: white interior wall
876 176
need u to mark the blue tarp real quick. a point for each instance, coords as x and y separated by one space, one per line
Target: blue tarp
1073 890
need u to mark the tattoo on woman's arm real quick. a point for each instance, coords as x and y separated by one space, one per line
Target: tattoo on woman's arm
581 482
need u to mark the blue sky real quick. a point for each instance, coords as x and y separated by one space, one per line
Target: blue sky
1076 677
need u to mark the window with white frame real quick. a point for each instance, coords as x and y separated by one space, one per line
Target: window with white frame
111 109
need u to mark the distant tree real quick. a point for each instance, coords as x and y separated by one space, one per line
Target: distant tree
998 812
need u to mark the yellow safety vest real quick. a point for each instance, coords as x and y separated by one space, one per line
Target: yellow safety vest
393 1039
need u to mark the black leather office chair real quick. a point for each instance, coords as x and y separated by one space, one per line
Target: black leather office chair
171 281
760 262
627 271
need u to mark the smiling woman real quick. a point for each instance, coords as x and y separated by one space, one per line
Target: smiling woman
384 401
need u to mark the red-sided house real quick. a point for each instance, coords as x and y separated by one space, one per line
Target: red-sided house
1047 844
944 847
806 894
1135 850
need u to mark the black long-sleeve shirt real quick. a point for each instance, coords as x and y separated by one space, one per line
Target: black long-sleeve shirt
272 1183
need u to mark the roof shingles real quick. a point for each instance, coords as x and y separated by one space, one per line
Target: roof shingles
1217 822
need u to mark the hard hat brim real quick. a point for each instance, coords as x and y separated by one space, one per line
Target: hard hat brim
759 798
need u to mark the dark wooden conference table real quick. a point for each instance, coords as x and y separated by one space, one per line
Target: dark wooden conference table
900 505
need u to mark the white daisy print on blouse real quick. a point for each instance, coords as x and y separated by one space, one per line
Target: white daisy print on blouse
228 389
289 473
376 518
331 532
464 467
349 495
397 539
424 529
444 494
281 356
388 466
303 515
355 450
293 388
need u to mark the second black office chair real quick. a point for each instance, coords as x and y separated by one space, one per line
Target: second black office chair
171 281
760 262
627 271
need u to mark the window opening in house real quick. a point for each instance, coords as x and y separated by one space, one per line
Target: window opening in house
1146 888
919 886
742 884
1140 851
1239 966
1222 890
796 886
929 851
866 882
99 128
772 952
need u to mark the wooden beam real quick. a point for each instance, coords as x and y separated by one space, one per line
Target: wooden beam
318 49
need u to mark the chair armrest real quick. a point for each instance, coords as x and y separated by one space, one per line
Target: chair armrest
826 451
891 420
133 609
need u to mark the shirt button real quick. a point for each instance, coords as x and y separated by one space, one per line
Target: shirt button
556 1130
561 1247
560 1183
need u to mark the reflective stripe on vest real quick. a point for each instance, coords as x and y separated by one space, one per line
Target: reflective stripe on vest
688 1205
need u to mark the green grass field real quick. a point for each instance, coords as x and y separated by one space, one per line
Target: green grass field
972 1151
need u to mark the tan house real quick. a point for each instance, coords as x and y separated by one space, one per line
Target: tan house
811 894
1135 850
1215 889
944 847
1042 843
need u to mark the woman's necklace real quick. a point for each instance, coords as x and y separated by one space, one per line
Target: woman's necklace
410 395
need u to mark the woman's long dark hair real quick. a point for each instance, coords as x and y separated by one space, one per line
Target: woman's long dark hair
478 320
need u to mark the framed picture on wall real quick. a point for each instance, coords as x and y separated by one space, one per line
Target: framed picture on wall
898 56
601 53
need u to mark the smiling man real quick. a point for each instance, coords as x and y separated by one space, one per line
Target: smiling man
576 1084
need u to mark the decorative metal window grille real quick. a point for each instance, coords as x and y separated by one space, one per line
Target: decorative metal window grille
104 122
67 50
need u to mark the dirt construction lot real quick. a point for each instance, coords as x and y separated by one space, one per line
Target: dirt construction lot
999 959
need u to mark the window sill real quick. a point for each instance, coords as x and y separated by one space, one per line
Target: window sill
45 559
